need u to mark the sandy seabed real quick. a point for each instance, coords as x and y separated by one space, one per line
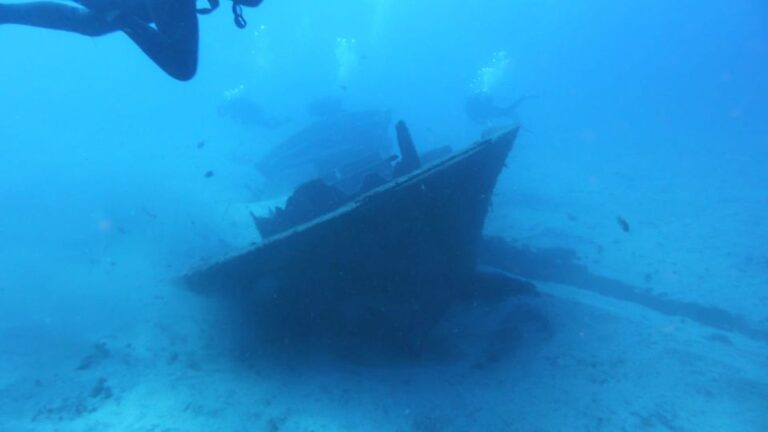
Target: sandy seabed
162 360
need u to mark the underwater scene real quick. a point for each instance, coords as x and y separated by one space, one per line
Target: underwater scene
383 215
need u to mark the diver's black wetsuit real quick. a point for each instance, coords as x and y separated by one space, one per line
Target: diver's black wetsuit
166 30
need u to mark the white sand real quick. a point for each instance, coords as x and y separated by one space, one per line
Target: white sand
567 361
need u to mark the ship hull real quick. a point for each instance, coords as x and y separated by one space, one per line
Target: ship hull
387 266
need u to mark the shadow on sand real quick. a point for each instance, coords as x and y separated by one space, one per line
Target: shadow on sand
562 266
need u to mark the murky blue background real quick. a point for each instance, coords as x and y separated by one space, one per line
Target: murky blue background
653 111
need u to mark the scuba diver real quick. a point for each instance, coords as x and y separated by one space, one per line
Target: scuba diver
165 30
482 109
247 112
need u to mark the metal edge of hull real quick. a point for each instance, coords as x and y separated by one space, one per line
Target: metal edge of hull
361 222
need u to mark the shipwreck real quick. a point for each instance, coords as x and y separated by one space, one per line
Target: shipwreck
385 259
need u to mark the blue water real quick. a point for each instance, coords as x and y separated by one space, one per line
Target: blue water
653 111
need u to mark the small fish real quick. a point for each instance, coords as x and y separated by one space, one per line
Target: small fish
201 144
208 174
623 223
149 214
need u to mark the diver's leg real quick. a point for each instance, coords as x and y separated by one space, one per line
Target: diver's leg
173 44
56 16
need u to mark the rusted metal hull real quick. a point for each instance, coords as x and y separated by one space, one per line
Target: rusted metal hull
388 265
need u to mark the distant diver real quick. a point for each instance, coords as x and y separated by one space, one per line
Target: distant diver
481 108
326 106
247 112
165 30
